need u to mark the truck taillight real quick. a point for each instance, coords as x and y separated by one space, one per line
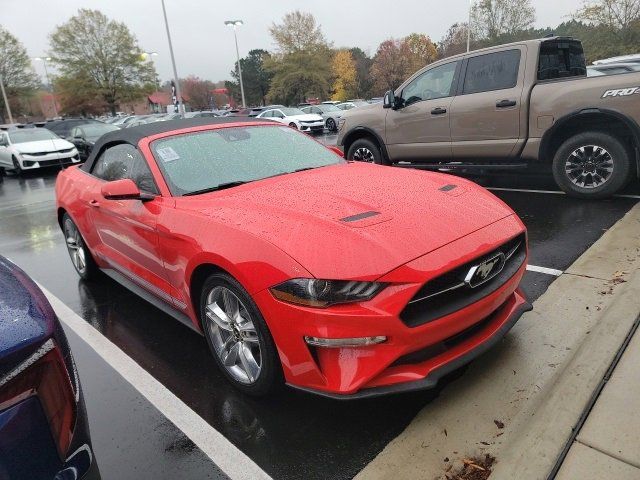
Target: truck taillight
44 375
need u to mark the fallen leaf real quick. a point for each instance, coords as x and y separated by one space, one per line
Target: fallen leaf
498 423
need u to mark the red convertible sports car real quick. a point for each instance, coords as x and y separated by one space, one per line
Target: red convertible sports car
344 279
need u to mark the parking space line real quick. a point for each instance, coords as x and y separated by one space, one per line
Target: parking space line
555 192
548 271
212 443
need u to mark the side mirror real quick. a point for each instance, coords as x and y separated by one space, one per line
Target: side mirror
389 100
124 189
336 150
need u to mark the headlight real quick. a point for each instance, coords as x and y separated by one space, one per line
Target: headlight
312 292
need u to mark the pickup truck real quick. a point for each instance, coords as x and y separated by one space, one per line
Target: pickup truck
508 107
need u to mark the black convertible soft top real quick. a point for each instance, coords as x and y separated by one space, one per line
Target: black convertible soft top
133 135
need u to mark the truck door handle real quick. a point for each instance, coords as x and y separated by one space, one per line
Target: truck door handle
94 203
506 103
438 111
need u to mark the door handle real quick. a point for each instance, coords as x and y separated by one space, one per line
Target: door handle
506 103
94 203
438 111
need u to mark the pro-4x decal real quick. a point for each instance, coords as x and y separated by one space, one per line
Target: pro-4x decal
621 92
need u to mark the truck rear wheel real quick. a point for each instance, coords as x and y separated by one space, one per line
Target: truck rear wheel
592 165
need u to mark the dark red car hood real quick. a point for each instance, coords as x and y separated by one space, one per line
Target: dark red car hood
354 220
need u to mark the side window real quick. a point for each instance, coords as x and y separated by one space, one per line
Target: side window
277 114
434 83
268 114
124 161
76 133
493 71
316 110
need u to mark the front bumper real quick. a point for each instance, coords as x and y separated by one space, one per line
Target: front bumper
398 364
518 305
28 162
312 127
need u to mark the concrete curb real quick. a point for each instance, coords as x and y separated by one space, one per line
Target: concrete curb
537 437
537 381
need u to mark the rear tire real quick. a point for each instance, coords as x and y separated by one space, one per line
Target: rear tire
592 165
243 347
365 150
81 257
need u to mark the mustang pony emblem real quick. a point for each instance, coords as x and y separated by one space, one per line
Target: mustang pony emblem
485 271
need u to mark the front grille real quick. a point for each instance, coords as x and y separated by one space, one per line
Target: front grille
49 163
449 292
307 122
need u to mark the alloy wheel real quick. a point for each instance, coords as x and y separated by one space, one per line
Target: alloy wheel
75 245
589 166
233 335
331 124
363 154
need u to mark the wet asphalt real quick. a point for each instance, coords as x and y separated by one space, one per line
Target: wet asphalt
292 435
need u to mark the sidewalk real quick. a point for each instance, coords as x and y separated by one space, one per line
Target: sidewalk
608 445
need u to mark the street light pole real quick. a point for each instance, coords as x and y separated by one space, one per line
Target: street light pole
469 25
173 62
235 24
49 84
6 102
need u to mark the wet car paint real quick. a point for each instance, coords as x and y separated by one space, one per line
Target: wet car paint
293 435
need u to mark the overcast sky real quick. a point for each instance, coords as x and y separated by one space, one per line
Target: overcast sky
204 46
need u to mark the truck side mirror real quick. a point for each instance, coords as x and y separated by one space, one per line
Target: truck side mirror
389 100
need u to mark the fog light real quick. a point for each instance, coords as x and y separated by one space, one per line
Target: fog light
28 163
344 342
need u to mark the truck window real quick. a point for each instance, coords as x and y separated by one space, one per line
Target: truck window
434 83
493 71
561 59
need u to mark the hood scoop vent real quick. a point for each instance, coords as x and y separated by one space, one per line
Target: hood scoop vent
359 216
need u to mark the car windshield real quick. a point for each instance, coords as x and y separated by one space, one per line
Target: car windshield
291 111
95 131
31 135
328 108
210 160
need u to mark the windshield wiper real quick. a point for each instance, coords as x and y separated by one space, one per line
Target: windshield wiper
220 186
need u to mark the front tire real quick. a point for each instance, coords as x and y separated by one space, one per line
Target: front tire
592 165
17 169
331 125
238 336
365 150
80 255
293 125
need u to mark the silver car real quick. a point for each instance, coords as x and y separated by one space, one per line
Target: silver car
329 113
